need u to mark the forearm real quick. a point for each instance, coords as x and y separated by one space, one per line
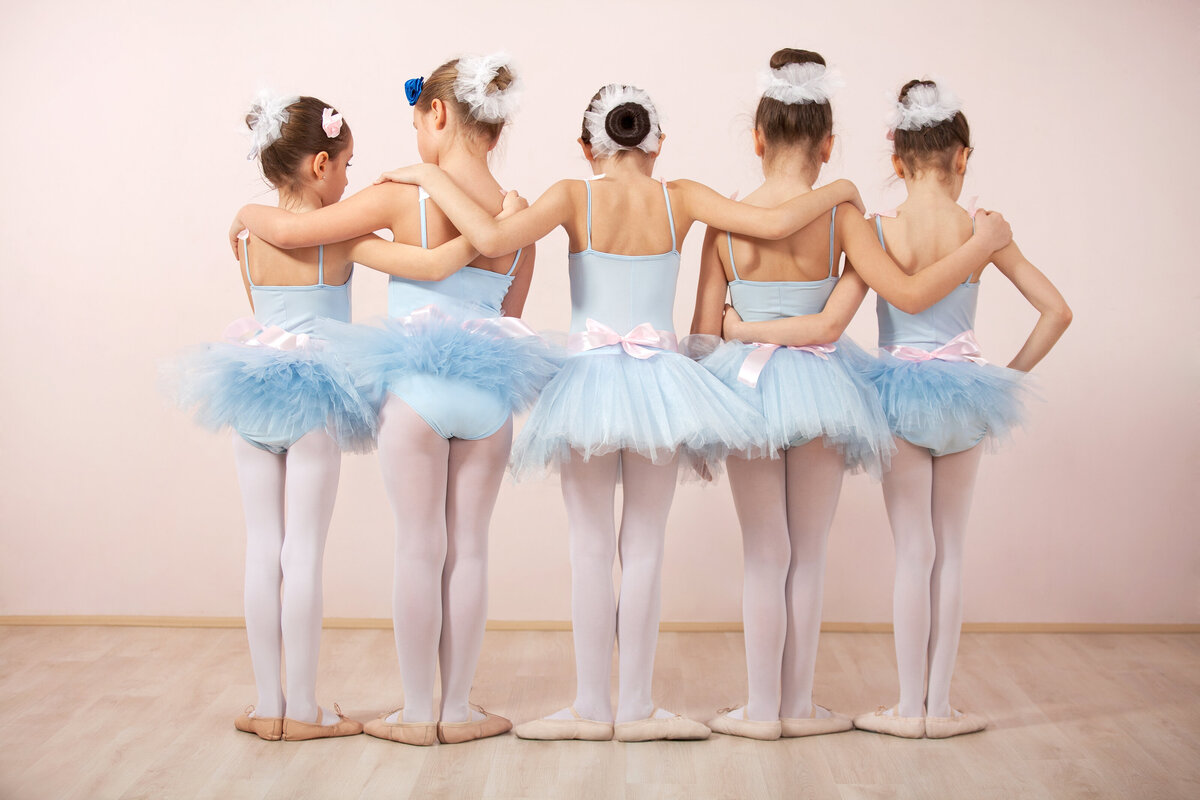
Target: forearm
794 331
412 262
1046 333
915 293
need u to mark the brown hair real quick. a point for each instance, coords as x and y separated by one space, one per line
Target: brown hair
934 145
440 86
788 124
300 137
627 124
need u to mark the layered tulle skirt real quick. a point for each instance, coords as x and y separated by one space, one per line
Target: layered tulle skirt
949 406
272 397
605 400
498 356
805 395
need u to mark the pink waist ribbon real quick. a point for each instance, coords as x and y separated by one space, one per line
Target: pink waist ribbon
503 327
641 342
757 359
961 348
250 332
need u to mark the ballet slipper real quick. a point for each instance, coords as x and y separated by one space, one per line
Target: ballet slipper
577 727
879 721
418 734
458 732
269 728
764 730
795 727
954 725
294 731
653 729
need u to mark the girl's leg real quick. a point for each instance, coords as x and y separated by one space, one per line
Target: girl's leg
313 466
476 470
760 498
414 463
953 486
814 483
261 476
588 489
648 490
907 493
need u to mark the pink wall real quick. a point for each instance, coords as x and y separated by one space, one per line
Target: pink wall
125 160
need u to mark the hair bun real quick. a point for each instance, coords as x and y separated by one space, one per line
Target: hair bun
627 124
790 55
621 117
488 87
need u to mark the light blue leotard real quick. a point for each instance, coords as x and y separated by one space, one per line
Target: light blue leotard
605 399
455 406
944 406
278 379
296 309
804 395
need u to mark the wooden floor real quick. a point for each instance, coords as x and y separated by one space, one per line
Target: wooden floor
147 713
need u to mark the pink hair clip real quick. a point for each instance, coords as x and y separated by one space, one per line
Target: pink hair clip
331 123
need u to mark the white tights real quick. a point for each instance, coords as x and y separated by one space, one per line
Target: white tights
589 489
785 507
928 501
288 501
442 493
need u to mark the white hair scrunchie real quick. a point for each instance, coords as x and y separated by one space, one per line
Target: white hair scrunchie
801 83
475 74
269 114
611 97
924 106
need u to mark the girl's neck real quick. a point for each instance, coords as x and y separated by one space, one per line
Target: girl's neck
791 169
931 189
300 200
629 166
465 165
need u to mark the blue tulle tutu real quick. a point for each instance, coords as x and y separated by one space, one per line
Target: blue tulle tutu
273 397
512 368
803 397
604 400
948 406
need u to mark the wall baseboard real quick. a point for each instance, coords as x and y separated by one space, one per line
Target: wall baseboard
372 623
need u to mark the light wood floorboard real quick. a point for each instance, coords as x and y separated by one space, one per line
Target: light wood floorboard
102 712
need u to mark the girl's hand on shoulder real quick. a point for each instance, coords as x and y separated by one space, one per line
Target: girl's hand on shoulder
992 230
235 235
413 174
513 203
730 326
850 194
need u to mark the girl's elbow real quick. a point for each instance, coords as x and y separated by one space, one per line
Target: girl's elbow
1064 315
910 303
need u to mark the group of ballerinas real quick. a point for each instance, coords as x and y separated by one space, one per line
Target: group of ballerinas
784 401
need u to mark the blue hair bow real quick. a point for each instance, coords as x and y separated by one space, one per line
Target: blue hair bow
412 89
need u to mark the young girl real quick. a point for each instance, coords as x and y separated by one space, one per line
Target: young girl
627 403
822 411
941 400
449 370
291 404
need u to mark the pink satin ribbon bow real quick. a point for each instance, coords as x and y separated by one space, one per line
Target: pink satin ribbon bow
757 360
248 331
961 348
641 342
505 327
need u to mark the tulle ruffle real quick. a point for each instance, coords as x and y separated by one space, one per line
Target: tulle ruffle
603 401
803 396
513 368
266 392
927 401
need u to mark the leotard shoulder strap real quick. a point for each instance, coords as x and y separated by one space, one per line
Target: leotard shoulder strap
832 219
